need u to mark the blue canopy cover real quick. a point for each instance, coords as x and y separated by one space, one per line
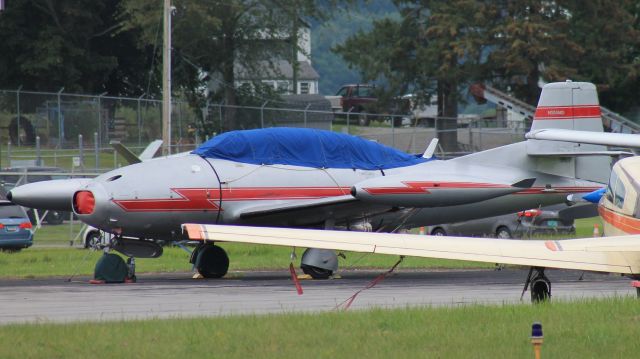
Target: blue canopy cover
304 147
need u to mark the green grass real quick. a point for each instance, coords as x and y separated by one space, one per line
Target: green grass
44 260
64 158
605 328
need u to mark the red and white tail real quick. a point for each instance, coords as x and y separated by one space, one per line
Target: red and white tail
570 106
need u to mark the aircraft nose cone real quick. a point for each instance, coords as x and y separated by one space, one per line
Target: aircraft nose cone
54 194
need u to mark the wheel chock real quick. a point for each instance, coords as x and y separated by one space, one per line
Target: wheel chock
304 277
97 281
198 276
336 276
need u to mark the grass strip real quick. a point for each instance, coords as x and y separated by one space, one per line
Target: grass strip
603 328
65 261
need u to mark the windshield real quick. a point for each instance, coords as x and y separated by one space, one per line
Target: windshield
11 211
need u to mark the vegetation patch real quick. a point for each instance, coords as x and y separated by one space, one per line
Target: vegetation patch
601 328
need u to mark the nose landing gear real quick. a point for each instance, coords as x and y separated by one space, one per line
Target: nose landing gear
210 261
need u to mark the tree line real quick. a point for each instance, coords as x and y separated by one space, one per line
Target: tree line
434 47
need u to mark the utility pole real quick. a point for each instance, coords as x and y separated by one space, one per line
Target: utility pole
166 81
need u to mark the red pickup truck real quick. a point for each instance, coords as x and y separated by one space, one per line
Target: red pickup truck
360 99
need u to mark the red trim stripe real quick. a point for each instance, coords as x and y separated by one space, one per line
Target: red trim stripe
203 199
557 190
567 112
424 187
627 224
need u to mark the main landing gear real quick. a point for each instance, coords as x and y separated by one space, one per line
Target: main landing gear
111 268
210 261
539 285
319 263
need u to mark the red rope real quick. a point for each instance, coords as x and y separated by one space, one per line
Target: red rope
295 279
347 303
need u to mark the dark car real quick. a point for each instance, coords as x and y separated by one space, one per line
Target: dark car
16 176
15 227
523 224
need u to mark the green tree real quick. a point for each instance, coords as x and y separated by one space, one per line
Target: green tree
608 32
220 37
531 42
48 44
432 49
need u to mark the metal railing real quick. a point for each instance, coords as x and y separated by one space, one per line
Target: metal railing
73 131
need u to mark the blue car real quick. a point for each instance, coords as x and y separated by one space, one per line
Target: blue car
15 228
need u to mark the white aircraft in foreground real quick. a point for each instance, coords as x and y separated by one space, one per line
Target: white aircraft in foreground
619 207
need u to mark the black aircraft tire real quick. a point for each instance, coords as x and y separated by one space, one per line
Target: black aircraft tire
212 262
93 240
540 291
315 272
438 232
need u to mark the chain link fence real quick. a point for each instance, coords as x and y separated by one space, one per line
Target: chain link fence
74 131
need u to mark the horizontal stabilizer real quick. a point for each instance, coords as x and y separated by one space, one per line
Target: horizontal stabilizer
589 137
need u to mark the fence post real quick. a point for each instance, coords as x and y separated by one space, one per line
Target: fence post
393 131
220 114
305 114
9 153
18 112
96 145
140 120
60 120
81 152
262 114
38 153
100 116
349 120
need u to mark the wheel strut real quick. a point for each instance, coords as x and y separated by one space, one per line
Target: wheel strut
539 285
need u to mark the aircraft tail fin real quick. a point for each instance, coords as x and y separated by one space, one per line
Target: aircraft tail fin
149 152
571 106
566 107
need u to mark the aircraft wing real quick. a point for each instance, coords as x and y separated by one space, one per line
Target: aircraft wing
608 254
313 204
594 138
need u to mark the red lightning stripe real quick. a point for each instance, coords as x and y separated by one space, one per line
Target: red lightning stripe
423 187
191 199
567 112
557 190
202 199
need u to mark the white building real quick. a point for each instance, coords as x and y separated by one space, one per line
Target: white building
279 73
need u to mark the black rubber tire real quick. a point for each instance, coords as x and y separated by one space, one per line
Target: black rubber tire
92 240
363 119
315 272
540 292
212 262
503 233
438 232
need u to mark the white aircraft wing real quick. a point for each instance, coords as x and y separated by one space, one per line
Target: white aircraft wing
594 138
608 254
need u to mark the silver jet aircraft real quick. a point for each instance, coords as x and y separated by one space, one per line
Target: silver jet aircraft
306 178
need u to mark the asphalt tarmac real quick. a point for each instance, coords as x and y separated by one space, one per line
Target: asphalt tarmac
178 295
